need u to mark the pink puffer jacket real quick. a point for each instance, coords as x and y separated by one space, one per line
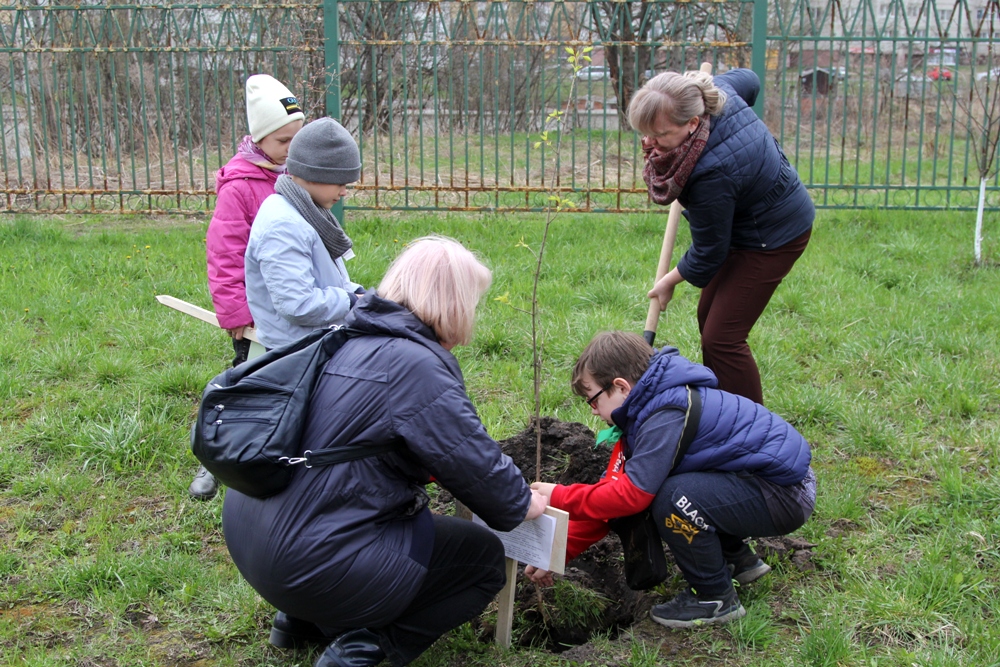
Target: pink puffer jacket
241 188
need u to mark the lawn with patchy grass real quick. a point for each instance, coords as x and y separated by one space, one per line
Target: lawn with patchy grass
882 348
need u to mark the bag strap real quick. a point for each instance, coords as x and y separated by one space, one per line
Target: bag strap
331 455
691 420
326 457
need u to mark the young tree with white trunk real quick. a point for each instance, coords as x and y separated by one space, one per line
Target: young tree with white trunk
982 113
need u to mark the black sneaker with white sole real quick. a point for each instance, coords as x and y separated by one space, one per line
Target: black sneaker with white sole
745 566
687 610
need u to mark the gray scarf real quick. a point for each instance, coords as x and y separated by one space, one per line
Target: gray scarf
322 220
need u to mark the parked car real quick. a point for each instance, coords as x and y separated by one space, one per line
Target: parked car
919 76
593 73
942 73
991 74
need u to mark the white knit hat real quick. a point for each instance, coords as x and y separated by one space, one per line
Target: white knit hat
270 106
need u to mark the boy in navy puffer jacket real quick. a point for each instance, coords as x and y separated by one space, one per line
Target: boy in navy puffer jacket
745 474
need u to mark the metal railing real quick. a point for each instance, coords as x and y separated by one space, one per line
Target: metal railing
133 107
880 102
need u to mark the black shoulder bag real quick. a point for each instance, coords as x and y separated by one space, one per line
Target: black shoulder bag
645 564
251 417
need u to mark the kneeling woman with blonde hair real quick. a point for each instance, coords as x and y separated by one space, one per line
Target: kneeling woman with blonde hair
349 553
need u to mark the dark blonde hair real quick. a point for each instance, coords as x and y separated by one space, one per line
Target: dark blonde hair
440 281
679 97
610 355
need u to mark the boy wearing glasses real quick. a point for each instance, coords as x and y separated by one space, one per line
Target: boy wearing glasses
744 474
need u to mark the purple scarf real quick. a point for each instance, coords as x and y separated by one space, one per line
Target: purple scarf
252 153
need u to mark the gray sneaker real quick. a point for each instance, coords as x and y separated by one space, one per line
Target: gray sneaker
687 610
745 566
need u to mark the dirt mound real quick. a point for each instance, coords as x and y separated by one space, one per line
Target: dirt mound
597 599
568 453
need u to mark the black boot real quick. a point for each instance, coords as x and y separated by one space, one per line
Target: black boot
204 485
290 632
355 648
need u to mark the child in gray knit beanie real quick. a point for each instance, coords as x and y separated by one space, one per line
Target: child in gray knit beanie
288 296
322 161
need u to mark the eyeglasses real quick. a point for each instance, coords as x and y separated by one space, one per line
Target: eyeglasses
590 401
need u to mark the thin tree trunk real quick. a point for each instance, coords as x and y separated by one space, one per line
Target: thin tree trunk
978 246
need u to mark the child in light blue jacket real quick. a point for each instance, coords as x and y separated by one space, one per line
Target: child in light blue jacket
296 276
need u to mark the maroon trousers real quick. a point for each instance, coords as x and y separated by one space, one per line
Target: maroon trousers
732 303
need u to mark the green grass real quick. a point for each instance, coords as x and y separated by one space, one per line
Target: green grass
881 348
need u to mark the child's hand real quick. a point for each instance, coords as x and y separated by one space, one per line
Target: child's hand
540 577
544 489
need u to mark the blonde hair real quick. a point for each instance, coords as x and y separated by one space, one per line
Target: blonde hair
680 97
441 282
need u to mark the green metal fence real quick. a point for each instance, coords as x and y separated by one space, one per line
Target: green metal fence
133 107
884 103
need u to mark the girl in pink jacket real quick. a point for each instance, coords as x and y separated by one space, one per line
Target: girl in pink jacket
274 116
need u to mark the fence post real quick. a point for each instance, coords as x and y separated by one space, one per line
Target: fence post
331 46
758 58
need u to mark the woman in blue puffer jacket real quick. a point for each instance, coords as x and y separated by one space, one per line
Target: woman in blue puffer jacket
349 553
750 215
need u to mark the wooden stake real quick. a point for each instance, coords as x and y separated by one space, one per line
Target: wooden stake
505 612
201 314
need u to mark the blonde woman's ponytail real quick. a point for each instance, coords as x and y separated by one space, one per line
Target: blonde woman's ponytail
678 97
714 98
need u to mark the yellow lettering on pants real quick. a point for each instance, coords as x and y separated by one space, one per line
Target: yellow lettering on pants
682 527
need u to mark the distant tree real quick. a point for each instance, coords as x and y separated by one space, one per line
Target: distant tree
982 116
639 36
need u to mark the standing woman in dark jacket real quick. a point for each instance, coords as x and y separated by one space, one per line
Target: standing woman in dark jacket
749 213
349 553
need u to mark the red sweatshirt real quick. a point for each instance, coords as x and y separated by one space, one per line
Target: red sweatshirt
591 505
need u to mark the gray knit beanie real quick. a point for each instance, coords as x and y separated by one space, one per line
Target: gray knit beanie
323 151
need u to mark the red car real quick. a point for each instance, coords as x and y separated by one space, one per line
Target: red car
936 73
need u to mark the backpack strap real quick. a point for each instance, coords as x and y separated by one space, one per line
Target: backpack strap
331 455
326 457
691 420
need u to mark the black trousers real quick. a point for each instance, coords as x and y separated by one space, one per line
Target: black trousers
242 349
701 515
465 573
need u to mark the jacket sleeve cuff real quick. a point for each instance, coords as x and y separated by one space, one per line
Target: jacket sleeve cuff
240 317
692 277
